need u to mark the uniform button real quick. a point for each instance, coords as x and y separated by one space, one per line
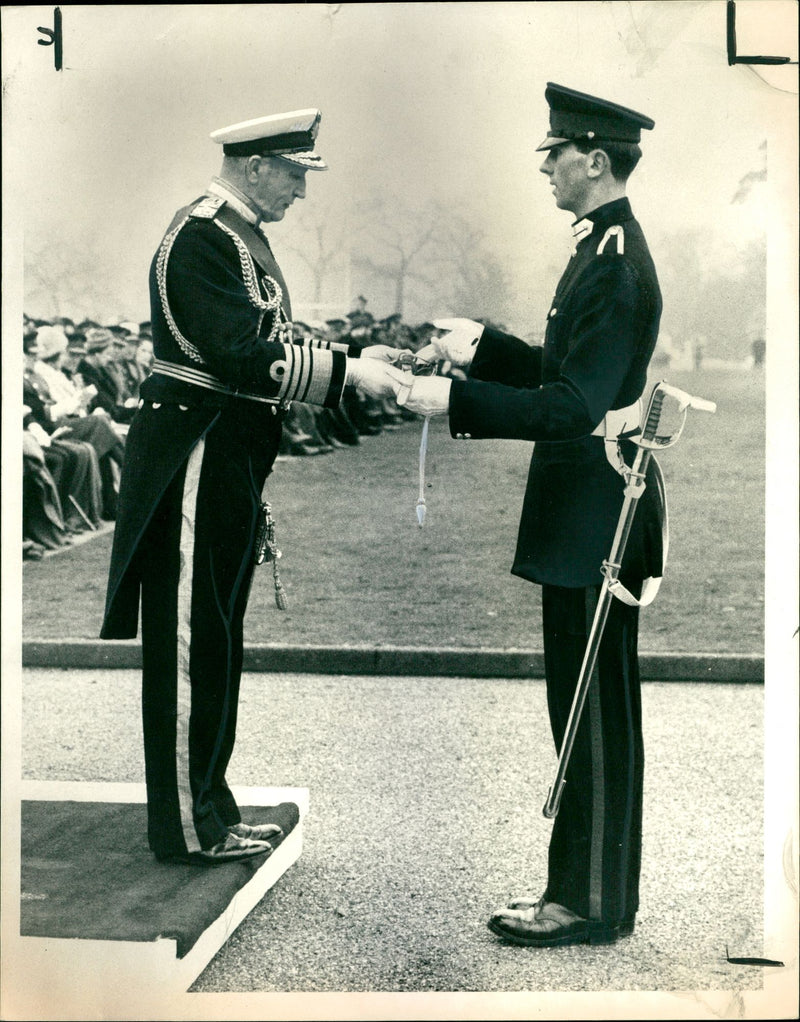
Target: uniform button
468 436
459 436
183 407
553 311
156 404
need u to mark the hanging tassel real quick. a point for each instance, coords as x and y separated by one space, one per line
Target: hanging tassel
267 550
423 450
280 593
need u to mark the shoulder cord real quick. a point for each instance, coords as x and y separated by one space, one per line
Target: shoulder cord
272 303
612 232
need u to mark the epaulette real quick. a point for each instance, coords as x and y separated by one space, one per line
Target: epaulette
613 232
208 207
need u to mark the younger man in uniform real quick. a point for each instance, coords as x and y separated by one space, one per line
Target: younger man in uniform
576 397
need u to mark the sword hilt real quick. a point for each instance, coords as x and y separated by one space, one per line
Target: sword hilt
666 415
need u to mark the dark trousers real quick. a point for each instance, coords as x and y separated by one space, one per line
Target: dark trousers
98 431
195 562
595 848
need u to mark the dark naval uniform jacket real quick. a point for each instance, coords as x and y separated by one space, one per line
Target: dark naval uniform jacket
602 328
221 321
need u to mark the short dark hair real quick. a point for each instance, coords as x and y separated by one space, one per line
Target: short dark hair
622 156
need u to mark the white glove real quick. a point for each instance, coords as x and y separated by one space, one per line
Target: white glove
424 395
370 376
457 346
384 352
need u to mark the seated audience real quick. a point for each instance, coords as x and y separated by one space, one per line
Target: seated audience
73 464
69 399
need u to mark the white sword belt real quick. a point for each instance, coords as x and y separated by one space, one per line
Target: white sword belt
616 423
198 378
619 422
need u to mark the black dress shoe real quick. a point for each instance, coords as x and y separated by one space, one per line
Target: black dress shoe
549 925
269 832
231 849
268 823
626 926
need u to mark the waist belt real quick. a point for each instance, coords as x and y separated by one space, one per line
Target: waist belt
198 378
620 421
617 423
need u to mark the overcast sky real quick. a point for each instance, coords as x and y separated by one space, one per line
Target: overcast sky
441 100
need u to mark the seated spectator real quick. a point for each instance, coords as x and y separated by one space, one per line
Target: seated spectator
67 400
360 318
335 329
66 396
145 355
336 426
130 374
94 369
66 324
300 436
73 356
43 525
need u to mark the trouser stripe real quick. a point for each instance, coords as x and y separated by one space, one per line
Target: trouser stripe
184 637
598 775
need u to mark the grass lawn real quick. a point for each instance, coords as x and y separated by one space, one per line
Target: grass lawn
359 571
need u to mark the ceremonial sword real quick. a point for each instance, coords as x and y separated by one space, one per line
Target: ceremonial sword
666 408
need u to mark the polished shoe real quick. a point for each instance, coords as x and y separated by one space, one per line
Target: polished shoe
549 925
257 832
526 903
231 849
626 926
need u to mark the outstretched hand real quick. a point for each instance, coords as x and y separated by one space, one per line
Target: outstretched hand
423 395
371 376
457 346
382 352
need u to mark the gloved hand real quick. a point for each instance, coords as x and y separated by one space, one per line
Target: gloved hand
457 346
384 352
371 376
424 395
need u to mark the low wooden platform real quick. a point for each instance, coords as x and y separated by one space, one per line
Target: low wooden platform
99 914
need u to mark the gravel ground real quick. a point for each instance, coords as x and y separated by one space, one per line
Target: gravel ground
426 798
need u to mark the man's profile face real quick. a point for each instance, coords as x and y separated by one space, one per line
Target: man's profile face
279 183
565 166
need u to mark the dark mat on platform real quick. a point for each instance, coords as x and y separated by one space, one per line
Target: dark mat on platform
88 873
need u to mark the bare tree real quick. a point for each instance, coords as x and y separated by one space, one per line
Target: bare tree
322 242
477 284
398 245
65 281
412 257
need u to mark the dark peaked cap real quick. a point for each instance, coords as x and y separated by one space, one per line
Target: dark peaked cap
575 116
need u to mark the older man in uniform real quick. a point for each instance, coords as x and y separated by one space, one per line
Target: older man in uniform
198 453
576 397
